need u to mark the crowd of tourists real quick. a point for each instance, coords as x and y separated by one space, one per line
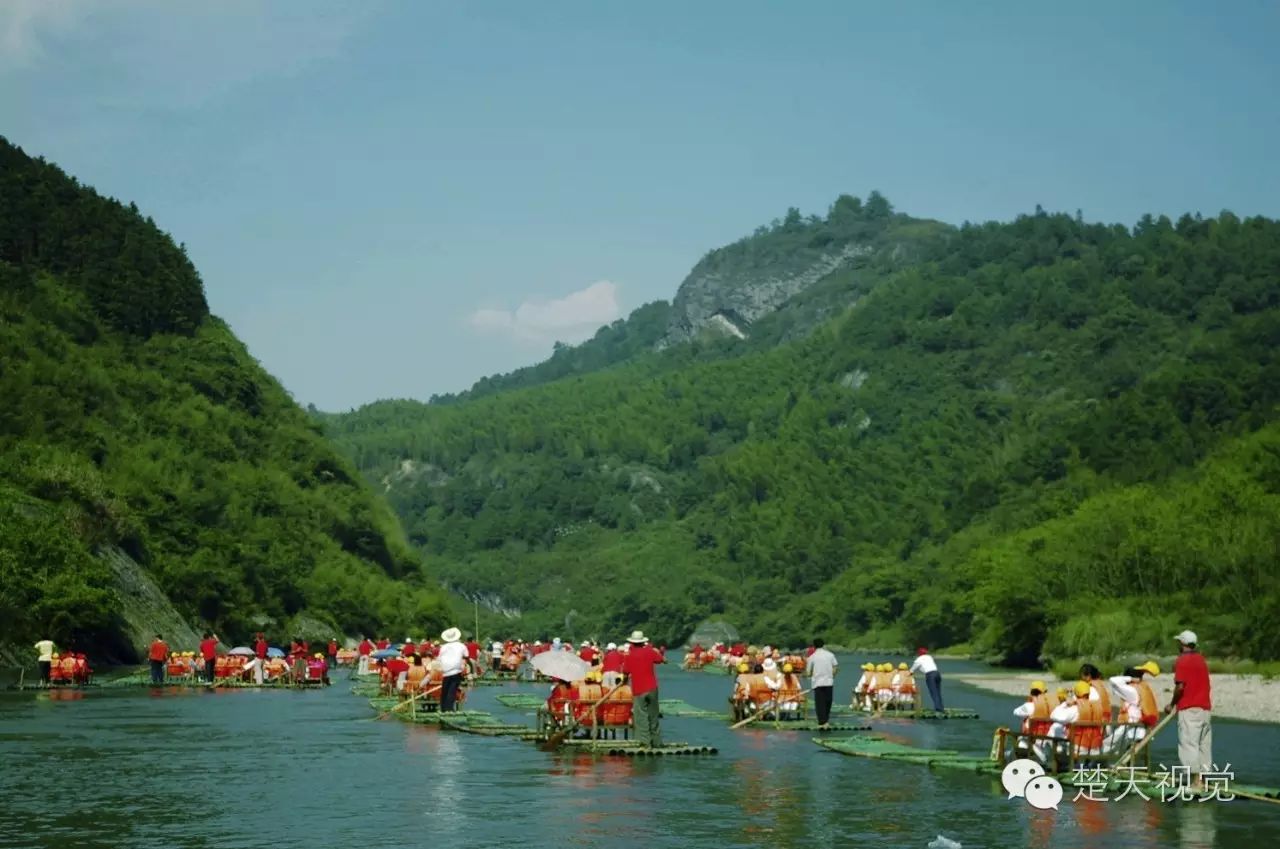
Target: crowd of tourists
1097 718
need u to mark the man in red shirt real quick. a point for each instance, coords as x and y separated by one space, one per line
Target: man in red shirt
332 652
383 643
209 653
473 650
1191 701
588 652
365 649
639 667
158 654
611 666
260 653
396 667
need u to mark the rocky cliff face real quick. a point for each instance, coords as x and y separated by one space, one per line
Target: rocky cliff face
726 297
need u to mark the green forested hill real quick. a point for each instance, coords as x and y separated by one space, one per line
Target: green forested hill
134 418
1039 436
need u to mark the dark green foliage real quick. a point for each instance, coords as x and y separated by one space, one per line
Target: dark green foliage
135 277
932 464
133 418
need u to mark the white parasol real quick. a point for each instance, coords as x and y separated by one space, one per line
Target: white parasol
564 665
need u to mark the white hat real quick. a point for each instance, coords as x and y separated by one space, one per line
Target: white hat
637 637
1187 638
769 664
537 642
451 636
611 646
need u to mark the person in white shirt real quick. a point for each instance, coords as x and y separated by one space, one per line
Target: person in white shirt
495 657
822 668
925 663
453 663
44 659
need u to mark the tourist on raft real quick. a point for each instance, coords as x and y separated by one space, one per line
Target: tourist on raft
44 659
1192 702
209 654
260 654
822 668
453 665
638 666
158 654
925 664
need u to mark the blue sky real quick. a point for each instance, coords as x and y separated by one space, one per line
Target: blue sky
392 199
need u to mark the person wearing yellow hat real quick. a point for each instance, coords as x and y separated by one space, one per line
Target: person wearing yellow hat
1191 699
1035 713
862 691
884 686
904 687
1138 710
1077 720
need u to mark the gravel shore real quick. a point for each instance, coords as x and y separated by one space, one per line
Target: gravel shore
1250 697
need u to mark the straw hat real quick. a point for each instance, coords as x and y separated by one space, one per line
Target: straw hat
452 635
637 637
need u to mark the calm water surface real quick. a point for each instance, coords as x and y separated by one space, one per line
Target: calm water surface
244 768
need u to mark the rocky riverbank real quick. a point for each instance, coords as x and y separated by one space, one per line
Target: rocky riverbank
1249 697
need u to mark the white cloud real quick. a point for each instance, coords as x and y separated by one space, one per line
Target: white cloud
26 24
162 54
573 318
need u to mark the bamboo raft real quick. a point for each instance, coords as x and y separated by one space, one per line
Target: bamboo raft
627 748
799 725
877 748
949 713
669 707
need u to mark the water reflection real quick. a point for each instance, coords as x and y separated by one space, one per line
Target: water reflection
317 766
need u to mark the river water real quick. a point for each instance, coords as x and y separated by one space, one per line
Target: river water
250 768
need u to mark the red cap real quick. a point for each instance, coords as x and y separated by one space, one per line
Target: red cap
922 650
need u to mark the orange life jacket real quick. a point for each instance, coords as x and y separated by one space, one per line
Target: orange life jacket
1087 736
1038 723
1147 703
616 710
1104 698
588 695
906 682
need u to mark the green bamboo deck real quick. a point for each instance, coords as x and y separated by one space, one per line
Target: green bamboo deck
949 713
629 748
800 725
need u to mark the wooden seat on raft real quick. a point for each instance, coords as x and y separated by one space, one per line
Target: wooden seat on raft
1087 745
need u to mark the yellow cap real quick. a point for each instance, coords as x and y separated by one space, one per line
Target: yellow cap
867 667
1150 667
742 667
318 655
1039 685
1062 694
55 654
886 667
786 667
1082 688
902 666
